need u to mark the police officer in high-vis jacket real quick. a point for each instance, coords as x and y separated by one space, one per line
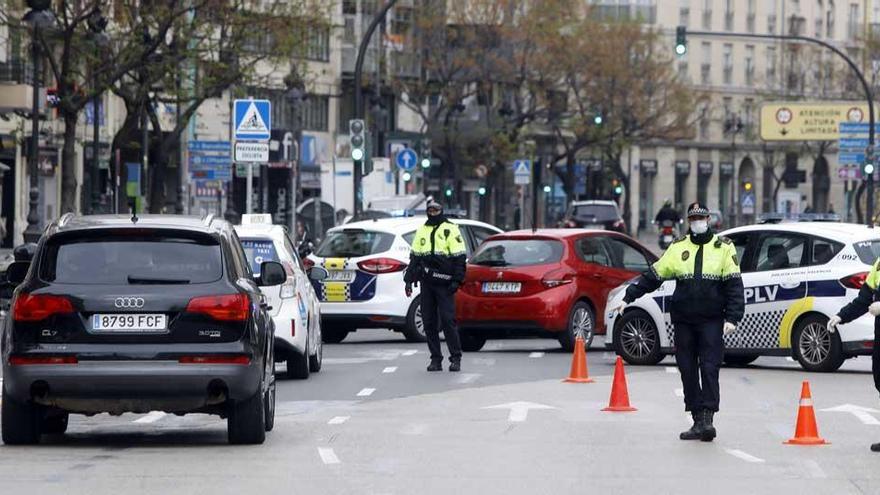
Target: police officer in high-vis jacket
438 263
707 305
868 300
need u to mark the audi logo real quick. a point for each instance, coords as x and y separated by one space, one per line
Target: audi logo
129 302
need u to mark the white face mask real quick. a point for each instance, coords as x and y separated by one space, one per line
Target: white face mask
699 226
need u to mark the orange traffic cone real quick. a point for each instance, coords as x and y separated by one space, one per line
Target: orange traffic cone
619 401
806 432
579 372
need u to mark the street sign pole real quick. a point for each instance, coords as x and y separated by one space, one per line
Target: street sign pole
249 188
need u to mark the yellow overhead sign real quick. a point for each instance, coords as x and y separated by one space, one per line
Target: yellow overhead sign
805 121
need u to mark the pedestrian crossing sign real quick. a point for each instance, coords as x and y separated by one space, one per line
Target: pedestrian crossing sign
253 120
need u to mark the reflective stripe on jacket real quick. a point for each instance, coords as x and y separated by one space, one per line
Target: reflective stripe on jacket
438 255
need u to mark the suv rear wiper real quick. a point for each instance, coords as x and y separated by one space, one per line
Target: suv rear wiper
137 279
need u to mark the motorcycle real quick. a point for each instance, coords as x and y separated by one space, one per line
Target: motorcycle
667 233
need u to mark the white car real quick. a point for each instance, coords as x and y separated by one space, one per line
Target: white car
366 261
795 276
294 305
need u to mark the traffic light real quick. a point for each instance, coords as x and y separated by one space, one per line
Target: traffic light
547 189
869 167
681 46
481 191
617 187
747 185
358 141
426 153
598 119
448 192
406 176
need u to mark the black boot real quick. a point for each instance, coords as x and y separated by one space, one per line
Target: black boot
875 447
696 431
455 366
709 432
435 366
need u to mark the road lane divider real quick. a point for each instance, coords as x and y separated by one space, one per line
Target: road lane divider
328 456
536 355
338 420
744 456
366 392
390 369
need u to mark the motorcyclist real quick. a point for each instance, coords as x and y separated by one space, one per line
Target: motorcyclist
667 212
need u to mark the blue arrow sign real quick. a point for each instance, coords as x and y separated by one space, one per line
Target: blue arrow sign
253 120
406 159
851 158
855 128
859 143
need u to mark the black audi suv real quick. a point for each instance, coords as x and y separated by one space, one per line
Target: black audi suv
117 314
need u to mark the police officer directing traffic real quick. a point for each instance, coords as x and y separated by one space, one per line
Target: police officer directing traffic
868 300
707 304
438 263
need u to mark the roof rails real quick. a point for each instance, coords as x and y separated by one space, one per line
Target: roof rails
766 218
64 219
208 219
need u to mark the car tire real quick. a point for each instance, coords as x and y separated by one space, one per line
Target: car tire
580 319
636 338
298 366
55 424
415 326
471 342
21 421
334 335
814 347
246 424
269 407
740 359
317 360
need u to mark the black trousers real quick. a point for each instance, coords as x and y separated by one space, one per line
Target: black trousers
699 350
438 305
875 356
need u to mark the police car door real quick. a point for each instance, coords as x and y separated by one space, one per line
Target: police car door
774 280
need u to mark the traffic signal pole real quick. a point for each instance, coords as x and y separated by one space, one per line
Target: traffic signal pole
359 94
869 153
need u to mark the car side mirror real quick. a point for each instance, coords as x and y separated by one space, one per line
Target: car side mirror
271 273
17 271
318 273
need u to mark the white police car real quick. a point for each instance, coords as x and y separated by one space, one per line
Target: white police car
366 261
294 305
795 276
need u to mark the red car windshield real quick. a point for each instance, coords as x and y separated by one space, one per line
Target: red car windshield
518 252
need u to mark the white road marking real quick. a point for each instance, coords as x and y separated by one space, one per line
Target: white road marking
519 411
338 420
366 392
484 361
679 392
744 456
390 369
151 417
862 413
814 469
671 370
467 377
328 456
410 352
536 355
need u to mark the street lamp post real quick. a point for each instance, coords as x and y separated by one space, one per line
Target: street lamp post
40 18
295 95
733 125
97 23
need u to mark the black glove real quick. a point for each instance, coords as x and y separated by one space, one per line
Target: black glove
453 287
408 289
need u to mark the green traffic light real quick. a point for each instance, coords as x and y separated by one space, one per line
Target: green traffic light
426 163
869 168
547 189
407 176
618 190
481 191
681 41
598 120
357 154
449 192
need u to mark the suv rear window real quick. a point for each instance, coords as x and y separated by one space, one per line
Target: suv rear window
125 259
258 251
518 252
868 251
354 243
597 213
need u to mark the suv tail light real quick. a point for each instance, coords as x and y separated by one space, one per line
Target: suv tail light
556 278
381 265
29 307
41 360
854 281
228 307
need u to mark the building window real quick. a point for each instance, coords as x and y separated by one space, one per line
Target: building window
750 65
771 66
315 112
749 110
318 44
401 24
704 124
750 17
683 70
771 16
706 67
728 15
727 60
707 14
852 25
829 21
684 13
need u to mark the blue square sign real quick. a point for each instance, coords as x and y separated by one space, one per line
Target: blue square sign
253 120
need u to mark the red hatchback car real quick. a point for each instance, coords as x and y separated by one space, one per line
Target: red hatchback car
548 283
